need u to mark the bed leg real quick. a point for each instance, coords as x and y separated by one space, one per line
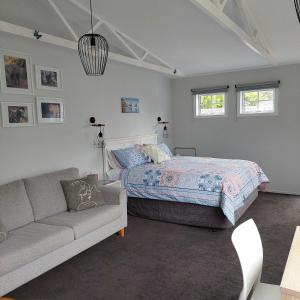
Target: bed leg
121 232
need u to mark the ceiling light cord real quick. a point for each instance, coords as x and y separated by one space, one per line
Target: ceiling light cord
91 9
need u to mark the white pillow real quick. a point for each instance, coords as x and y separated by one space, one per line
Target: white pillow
156 154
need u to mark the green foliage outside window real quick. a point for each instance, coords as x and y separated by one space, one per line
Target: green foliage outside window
251 98
212 101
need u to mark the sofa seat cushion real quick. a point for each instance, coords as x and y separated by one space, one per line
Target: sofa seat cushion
86 221
46 194
28 243
15 208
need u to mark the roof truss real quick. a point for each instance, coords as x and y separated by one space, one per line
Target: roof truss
123 37
58 41
137 58
64 20
251 36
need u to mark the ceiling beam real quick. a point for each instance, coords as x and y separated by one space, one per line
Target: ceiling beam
64 20
114 29
248 26
144 56
251 25
212 10
220 3
96 26
119 37
57 41
223 4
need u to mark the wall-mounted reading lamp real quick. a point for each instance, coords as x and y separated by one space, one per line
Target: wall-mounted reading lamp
165 130
101 131
100 140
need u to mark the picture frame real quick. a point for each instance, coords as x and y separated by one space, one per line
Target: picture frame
48 78
17 114
15 72
50 110
130 105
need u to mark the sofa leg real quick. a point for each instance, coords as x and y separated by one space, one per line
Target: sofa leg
122 232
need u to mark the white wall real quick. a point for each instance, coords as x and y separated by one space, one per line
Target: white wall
273 141
33 150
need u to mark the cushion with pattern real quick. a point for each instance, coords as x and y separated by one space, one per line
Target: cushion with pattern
130 157
82 193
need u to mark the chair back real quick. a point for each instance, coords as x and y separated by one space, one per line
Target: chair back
247 243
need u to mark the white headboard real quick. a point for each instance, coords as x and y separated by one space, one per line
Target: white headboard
113 144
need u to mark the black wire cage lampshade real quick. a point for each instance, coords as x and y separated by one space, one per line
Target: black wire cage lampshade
93 51
297 7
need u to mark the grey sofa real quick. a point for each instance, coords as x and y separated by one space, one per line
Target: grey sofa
42 233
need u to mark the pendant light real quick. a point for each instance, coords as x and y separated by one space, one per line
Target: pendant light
297 7
93 51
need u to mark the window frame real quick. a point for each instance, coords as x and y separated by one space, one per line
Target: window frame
257 113
195 100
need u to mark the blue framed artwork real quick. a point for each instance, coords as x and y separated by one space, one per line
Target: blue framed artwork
130 105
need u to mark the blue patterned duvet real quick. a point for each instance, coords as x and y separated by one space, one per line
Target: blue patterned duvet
206 181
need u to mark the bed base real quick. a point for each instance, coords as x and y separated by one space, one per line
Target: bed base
184 213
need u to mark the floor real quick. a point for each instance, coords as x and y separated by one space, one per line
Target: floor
159 260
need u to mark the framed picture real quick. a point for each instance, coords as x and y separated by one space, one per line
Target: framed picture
130 105
15 73
47 78
50 110
16 114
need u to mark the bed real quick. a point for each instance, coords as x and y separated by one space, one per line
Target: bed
198 191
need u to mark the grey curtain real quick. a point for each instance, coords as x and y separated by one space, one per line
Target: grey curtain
257 86
208 90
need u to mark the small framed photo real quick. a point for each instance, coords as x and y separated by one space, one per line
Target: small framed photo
16 114
50 110
130 105
15 69
47 78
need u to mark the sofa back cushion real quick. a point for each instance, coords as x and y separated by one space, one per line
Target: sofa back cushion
15 208
46 194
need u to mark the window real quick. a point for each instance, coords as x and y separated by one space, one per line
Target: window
258 98
212 104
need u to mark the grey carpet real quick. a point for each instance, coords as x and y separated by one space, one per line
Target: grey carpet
159 260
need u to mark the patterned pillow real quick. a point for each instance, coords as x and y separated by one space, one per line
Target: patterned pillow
165 149
3 232
130 157
140 147
157 155
82 193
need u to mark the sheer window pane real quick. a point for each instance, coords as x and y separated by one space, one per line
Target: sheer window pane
258 101
210 104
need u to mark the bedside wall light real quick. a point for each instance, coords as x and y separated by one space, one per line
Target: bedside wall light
165 128
100 141
100 135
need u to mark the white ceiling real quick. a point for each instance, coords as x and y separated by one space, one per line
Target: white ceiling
175 30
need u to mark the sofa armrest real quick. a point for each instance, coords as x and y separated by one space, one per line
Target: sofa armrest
114 195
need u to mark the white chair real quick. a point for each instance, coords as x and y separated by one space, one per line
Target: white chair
247 243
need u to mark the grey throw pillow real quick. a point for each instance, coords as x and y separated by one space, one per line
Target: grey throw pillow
3 232
82 193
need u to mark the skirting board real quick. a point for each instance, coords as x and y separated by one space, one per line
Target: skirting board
282 192
24 274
